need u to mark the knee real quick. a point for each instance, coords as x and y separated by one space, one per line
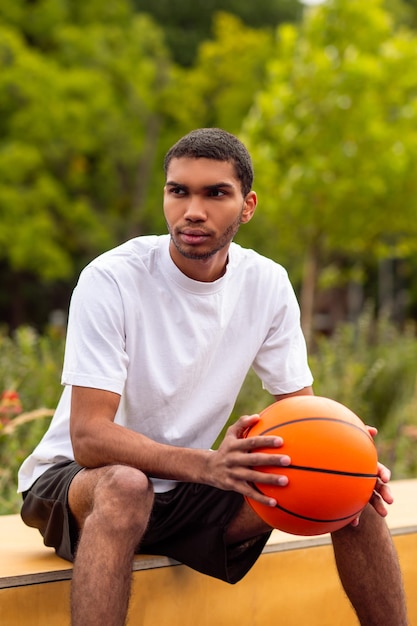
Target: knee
123 498
370 529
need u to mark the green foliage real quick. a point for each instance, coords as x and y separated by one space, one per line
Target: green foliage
41 20
334 140
90 101
404 12
228 70
78 129
30 364
334 134
371 367
186 24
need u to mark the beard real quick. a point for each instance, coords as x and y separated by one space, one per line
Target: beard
215 245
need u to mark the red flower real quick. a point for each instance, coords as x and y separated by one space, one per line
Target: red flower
10 405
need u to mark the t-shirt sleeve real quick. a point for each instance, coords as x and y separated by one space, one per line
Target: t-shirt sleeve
281 362
95 354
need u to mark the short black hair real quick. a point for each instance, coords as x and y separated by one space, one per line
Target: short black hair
216 144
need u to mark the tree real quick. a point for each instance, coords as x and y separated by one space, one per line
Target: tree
187 24
79 122
335 144
219 89
403 11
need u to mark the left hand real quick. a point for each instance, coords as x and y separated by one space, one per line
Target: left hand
382 493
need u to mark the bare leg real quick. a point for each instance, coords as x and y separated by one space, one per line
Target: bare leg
370 572
367 564
112 507
245 525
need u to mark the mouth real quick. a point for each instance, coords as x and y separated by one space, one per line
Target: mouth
193 237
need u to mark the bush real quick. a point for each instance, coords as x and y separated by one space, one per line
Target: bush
371 367
30 366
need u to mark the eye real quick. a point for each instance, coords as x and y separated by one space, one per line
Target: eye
216 193
177 190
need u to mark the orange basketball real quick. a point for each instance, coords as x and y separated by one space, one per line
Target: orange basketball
333 466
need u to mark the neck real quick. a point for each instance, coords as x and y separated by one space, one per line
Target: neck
203 270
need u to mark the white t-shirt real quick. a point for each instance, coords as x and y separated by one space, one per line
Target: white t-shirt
175 349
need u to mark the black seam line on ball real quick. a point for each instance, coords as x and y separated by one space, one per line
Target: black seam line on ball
312 419
322 470
318 520
309 519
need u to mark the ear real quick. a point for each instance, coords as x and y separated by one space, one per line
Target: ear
249 207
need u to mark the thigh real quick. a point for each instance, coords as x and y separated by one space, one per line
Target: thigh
114 490
246 524
81 492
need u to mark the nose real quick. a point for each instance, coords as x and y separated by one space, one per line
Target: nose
195 210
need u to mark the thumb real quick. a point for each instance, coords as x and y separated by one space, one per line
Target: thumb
241 428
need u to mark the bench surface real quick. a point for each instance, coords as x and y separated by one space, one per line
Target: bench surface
294 580
25 560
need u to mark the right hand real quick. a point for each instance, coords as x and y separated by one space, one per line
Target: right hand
233 466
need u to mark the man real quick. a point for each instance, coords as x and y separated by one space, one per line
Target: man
162 331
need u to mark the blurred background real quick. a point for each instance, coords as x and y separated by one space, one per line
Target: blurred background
324 95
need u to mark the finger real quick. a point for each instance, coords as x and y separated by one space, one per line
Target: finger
256 494
378 504
384 474
243 424
384 492
253 443
247 480
266 478
261 459
265 500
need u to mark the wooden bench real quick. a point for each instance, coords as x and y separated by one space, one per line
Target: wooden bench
294 583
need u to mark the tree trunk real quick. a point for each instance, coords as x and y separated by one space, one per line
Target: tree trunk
308 293
143 176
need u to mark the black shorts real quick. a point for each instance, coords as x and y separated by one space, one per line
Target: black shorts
187 524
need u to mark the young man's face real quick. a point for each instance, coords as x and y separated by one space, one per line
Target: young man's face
204 207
